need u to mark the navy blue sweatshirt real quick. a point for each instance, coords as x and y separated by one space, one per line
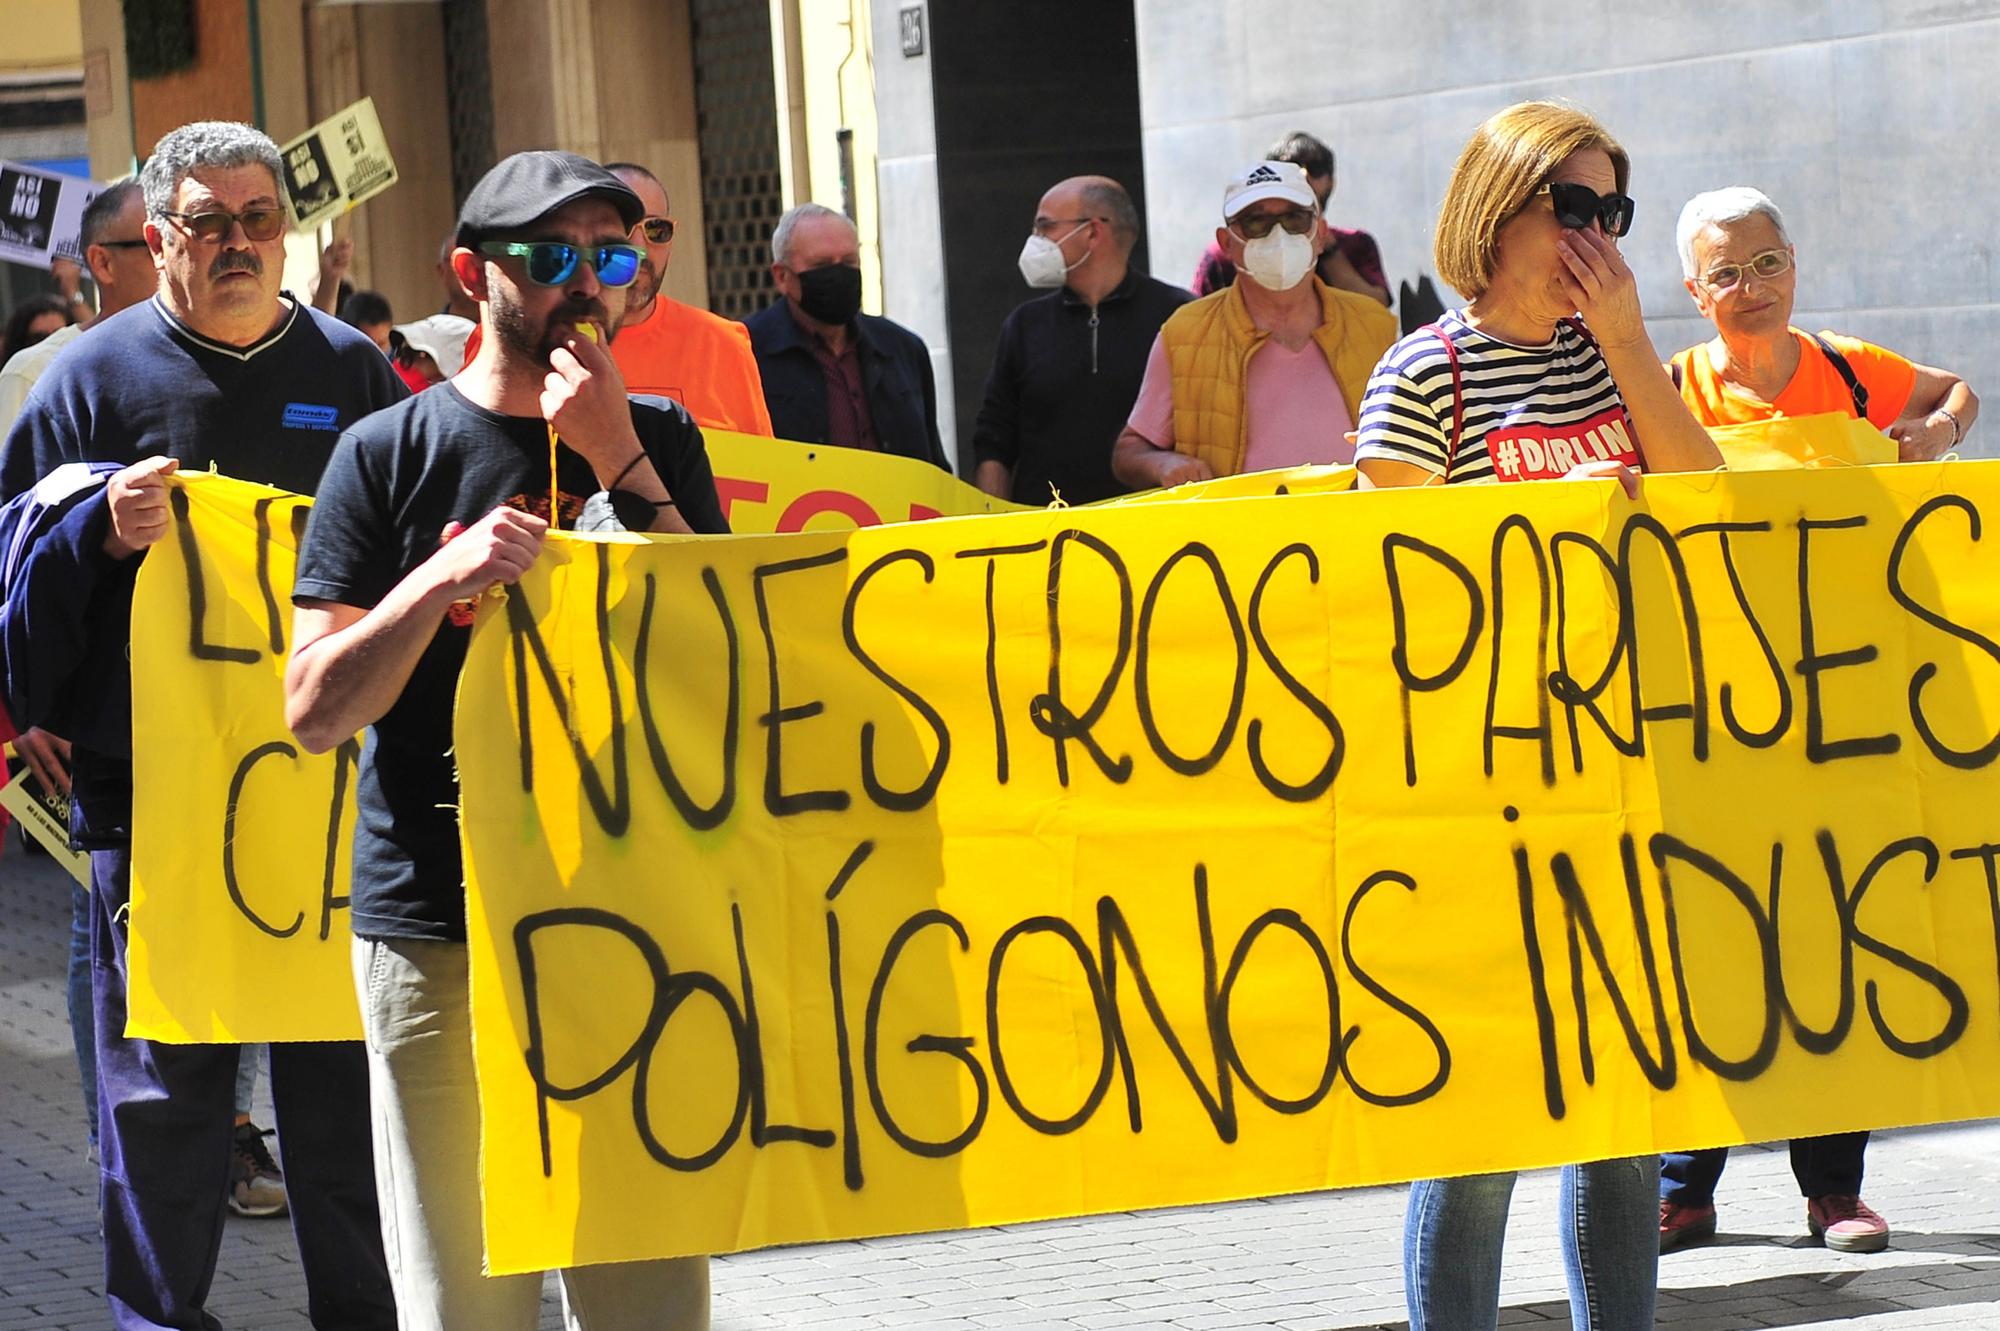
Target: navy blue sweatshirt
136 385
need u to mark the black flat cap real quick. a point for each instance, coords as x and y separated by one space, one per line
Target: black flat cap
524 188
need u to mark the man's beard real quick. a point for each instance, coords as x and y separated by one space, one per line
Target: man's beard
527 339
645 285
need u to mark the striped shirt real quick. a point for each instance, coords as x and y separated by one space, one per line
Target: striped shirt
1529 413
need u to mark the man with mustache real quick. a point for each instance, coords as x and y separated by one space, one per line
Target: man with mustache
425 507
219 369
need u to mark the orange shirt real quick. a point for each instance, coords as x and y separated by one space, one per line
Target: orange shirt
1816 385
700 360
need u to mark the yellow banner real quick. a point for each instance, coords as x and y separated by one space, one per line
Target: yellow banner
975 871
1791 442
774 485
240 838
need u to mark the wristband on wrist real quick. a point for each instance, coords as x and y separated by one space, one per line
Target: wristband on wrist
637 458
1957 430
633 510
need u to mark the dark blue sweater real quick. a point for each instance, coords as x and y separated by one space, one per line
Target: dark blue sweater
136 385
142 383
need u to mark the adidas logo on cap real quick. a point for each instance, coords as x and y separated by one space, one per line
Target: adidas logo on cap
1267 180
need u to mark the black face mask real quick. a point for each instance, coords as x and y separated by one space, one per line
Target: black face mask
831 294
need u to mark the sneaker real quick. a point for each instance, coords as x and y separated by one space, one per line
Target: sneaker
1845 1224
256 1186
1683 1225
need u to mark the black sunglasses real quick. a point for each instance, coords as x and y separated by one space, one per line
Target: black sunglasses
1578 205
1256 226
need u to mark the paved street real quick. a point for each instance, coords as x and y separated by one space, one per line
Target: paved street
1304 1264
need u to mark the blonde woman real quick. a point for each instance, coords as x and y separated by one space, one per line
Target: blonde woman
1545 373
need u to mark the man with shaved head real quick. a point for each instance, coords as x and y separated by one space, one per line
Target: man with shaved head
667 347
1070 363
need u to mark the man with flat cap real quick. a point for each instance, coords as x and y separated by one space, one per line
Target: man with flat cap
423 508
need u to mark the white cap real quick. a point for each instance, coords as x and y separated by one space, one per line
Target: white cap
443 336
1268 180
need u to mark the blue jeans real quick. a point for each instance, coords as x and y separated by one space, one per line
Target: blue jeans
247 1064
1610 1237
82 1025
164 1138
1828 1166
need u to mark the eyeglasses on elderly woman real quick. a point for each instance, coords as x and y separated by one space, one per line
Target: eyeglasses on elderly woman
1769 264
1577 206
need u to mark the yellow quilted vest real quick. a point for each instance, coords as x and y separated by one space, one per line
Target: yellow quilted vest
1209 342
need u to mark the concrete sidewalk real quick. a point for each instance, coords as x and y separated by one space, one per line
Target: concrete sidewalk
1314 1263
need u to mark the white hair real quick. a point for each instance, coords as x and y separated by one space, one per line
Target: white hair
1720 207
781 237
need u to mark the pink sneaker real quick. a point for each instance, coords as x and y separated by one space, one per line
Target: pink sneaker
1681 1226
1845 1224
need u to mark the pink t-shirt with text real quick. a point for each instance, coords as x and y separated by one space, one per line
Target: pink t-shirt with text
1297 415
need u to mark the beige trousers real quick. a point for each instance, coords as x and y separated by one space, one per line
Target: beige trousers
424 1099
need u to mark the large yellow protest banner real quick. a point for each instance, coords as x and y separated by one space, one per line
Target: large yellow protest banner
241 838
1683 808
971 871
240 849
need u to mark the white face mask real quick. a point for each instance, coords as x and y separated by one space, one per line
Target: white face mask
1042 261
1278 261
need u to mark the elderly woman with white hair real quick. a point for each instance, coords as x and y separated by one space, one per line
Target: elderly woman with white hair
1741 270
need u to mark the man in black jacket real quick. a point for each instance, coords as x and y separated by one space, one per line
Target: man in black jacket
1070 363
833 375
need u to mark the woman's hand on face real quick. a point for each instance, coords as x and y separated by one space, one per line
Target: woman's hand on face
1605 292
1606 470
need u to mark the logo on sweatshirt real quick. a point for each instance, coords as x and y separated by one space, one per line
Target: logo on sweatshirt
1547 452
311 416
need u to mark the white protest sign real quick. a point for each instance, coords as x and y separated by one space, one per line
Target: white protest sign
335 165
41 214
